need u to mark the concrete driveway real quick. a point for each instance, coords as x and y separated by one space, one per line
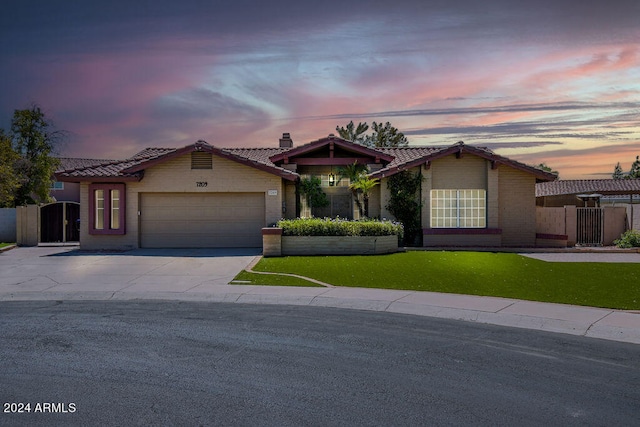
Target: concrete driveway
64 269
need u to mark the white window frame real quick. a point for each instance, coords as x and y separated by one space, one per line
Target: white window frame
459 208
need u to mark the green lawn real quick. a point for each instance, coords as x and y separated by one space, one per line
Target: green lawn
2 245
474 273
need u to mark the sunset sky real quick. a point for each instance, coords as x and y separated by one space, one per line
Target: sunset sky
550 81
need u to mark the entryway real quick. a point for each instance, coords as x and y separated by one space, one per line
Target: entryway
60 222
590 223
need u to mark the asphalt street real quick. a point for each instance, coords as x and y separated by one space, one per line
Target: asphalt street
202 363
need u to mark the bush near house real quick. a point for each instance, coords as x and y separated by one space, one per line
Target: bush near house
629 239
339 227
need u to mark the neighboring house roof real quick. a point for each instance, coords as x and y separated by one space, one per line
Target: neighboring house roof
588 186
394 160
70 163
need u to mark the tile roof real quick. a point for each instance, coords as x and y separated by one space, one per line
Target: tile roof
70 163
152 152
261 158
260 155
404 155
588 186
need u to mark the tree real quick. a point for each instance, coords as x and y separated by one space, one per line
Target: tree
617 172
383 135
311 189
546 168
9 183
386 136
34 140
634 172
352 133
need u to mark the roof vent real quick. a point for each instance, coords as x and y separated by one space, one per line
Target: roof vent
286 141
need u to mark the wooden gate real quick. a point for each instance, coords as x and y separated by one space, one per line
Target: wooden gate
590 227
59 222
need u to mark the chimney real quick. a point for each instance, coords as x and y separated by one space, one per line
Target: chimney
286 141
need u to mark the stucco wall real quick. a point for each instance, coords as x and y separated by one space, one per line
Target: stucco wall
27 225
176 175
550 220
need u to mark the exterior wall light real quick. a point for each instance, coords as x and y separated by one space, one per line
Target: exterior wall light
332 180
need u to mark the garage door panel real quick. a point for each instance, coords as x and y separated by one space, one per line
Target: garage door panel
202 220
194 227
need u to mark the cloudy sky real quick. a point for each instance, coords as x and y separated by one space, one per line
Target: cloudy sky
554 81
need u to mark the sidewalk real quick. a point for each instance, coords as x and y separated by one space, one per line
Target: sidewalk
52 274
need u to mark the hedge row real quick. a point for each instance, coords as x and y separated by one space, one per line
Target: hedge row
339 227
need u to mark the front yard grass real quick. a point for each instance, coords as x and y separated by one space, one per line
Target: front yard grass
3 245
608 285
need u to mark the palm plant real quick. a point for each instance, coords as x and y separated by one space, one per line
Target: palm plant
353 172
363 185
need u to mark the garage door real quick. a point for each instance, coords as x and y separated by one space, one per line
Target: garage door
215 220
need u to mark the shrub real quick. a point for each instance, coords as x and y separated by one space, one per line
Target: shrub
338 227
629 239
405 204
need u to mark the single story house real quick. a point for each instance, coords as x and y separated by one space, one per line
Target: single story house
585 192
201 195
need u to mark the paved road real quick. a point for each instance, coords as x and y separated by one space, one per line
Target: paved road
195 363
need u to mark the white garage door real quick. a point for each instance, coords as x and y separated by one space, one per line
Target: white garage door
215 220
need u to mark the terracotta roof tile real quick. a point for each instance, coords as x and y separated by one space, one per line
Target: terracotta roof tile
587 186
260 157
407 154
70 163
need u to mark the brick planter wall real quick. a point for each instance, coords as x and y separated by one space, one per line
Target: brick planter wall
325 245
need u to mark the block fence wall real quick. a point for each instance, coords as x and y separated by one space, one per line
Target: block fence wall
8 225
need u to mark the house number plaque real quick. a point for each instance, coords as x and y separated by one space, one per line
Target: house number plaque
201 184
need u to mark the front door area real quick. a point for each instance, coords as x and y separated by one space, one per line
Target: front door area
60 222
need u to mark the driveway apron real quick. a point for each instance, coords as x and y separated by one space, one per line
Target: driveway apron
64 269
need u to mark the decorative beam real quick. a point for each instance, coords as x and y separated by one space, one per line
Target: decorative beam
336 161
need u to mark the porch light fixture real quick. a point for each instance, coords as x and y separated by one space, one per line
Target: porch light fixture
332 179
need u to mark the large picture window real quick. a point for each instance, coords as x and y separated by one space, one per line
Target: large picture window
106 208
458 208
